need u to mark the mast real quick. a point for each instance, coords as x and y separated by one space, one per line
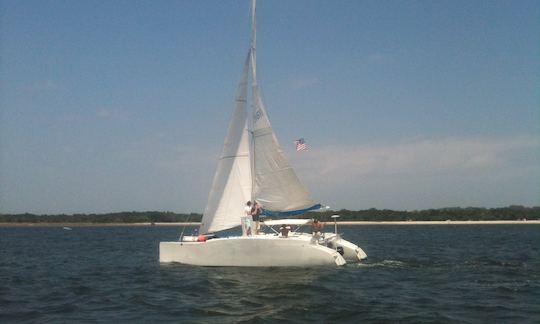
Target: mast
273 181
253 43
253 58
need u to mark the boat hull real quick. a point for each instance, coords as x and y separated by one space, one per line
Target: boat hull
256 251
351 251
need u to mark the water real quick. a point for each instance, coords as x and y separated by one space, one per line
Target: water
413 274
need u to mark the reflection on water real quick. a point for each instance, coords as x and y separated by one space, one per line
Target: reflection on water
252 293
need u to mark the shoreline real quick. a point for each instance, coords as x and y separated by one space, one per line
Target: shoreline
95 224
447 222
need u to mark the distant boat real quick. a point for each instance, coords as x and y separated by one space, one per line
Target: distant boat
253 167
65 228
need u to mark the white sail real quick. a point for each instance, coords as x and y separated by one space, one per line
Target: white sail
276 185
259 171
231 187
253 166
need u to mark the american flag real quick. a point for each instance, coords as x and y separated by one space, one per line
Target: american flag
300 144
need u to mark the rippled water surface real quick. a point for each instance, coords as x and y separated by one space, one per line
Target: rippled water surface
414 273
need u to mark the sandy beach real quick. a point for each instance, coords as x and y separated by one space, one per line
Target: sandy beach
448 222
93 224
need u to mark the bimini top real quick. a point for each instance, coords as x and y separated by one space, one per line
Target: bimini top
287 222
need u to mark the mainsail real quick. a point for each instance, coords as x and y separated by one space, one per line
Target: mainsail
258 171
276 185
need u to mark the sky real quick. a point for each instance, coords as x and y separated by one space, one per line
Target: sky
110 106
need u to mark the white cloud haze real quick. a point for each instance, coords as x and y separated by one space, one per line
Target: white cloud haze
425 173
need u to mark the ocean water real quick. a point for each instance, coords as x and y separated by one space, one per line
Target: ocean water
413 274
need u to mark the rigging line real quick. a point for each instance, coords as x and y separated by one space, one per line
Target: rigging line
183 229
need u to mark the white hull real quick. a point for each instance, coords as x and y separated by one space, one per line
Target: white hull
351 251
253 251
253 167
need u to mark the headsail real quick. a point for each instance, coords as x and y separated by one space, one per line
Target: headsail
231 187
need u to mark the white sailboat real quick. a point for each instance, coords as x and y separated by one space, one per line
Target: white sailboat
253 167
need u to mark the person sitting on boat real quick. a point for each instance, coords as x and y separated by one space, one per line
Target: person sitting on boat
256 210
284 230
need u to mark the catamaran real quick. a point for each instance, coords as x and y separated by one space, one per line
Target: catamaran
253 167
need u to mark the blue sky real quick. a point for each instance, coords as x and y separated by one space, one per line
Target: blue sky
123 105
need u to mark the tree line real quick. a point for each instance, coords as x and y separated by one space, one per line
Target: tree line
121 217
442 214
